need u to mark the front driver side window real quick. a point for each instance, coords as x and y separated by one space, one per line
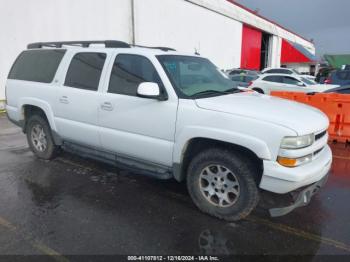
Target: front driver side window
129 71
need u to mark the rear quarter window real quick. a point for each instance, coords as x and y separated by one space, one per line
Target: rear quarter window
37 65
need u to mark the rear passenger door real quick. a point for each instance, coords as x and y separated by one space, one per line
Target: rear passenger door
133 126
76 104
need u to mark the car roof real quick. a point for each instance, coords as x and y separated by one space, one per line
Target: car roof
272 68
277 74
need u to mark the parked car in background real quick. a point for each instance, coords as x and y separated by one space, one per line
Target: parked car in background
282 82
287 71
323 74
339 77
242 80
242 71
339 90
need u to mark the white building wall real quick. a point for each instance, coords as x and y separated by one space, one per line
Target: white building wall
23 22
275 51
189 28
211 27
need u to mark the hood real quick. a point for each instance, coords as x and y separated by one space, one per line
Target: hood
299 117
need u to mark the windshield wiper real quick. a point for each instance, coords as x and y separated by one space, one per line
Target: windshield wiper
210 92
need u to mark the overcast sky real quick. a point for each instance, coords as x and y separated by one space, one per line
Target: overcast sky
326 21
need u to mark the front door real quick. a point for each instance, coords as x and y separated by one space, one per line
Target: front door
133 126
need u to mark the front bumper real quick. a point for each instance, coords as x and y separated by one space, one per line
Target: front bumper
282 180
303 198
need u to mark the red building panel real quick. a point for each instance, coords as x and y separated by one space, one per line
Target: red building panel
251 48
291 55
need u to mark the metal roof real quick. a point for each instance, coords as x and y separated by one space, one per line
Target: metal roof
337 61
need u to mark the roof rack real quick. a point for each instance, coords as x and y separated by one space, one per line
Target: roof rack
163 48
107 43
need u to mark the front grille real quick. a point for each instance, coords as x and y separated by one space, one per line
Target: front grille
320 135
318 151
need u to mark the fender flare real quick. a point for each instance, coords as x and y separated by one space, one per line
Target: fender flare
255 145
43 105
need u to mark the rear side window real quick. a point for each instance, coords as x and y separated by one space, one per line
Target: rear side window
37 65
238 78
275 79
85 71
250 78
129 71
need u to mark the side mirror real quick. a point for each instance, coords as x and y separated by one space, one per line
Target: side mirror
149 90
300 84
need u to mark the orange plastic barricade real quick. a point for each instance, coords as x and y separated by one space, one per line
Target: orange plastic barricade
335 106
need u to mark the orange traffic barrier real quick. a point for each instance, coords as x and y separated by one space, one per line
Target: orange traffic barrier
341 160
335 106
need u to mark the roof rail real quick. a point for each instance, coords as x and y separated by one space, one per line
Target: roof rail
163 48
107 43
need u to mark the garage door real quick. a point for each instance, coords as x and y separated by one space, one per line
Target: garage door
251 48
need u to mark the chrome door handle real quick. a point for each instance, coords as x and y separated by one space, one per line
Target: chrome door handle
64 100
107 106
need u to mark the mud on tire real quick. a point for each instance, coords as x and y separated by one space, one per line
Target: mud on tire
233 179
39 137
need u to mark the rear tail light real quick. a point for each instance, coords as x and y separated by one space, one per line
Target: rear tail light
250 83
328 81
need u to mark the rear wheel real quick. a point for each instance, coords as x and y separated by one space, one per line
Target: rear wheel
40 138
221 183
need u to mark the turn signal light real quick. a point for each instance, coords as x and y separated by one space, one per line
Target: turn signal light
294 162
287 162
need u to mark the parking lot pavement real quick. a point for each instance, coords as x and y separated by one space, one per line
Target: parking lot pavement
75 206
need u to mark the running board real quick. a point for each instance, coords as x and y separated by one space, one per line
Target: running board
123 162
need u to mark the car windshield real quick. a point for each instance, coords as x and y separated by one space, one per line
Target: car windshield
308 81
195 77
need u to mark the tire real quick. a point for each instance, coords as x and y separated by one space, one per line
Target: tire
259 90
35 138
237 169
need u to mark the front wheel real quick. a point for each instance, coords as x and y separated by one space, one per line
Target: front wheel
259 90
221 183
39 138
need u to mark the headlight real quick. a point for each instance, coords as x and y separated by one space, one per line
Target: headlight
294 162
297 142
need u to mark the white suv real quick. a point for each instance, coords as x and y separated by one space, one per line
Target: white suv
287 71
168 115
267 83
